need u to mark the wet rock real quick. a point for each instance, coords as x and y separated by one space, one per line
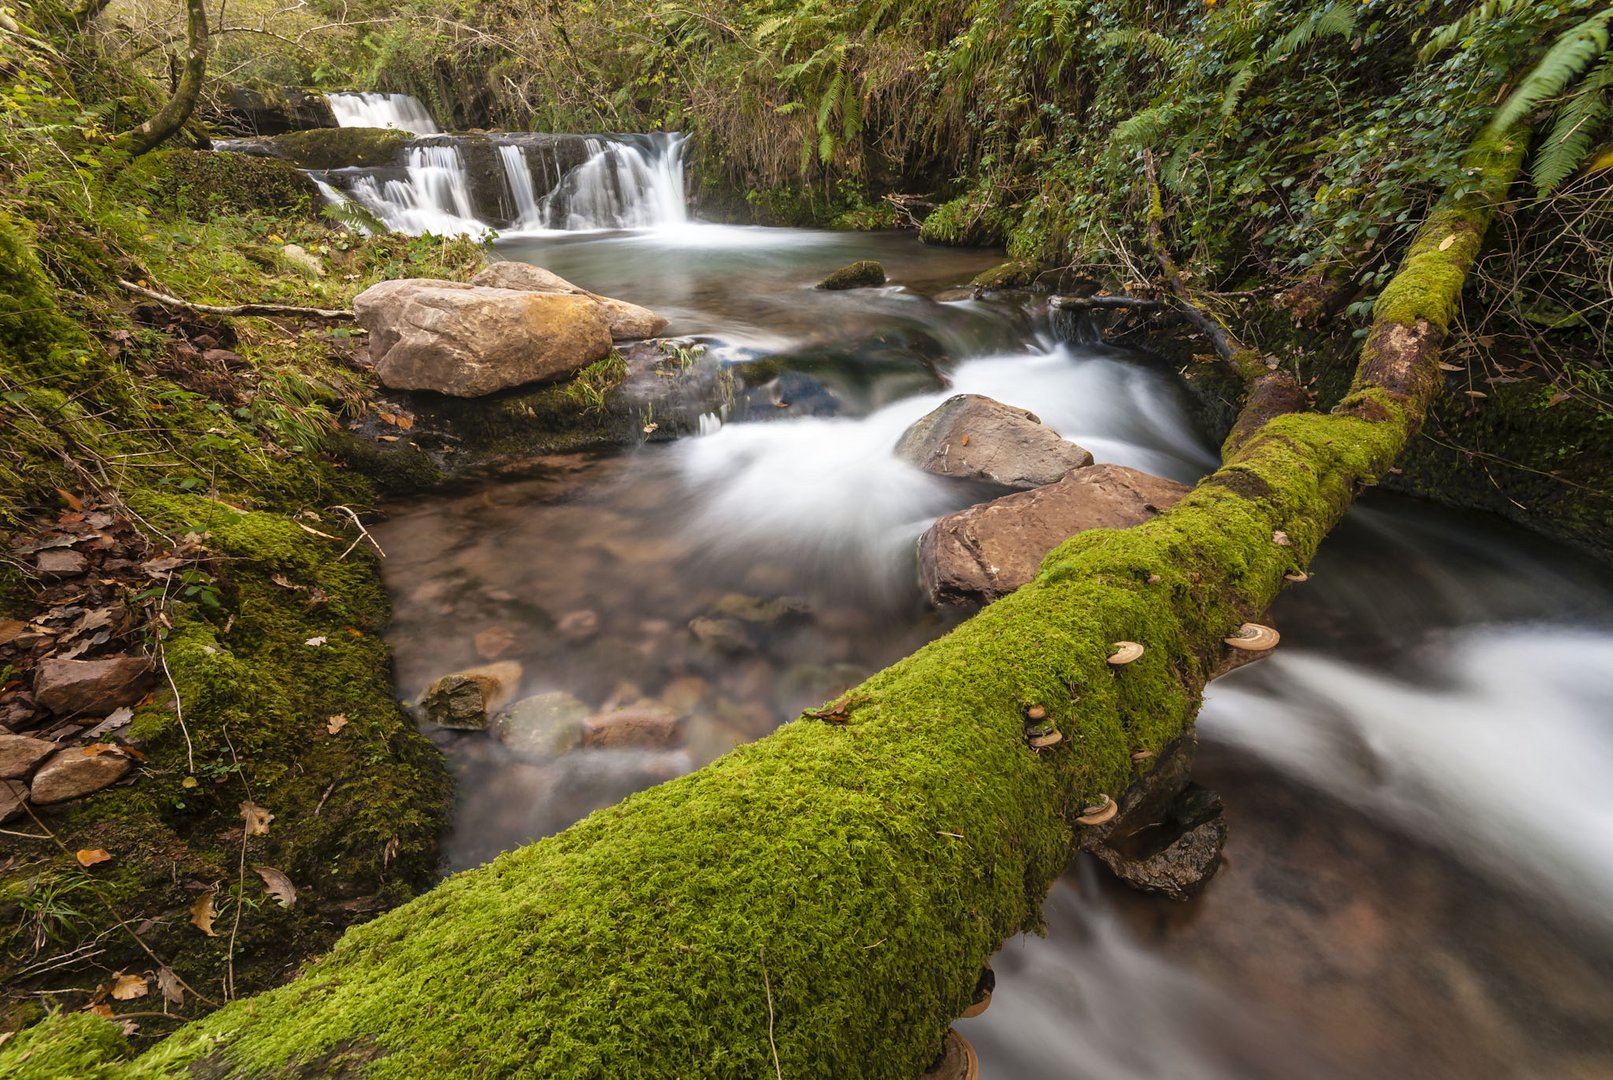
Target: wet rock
13 794
464 699
684 695
1176 857
19 754
337 148
766 612
578 625
628 322
641 725
467 341
723 635
495 641
858 275
61 562
1013 274
976 438
252 110
73 774
989 550
548 724
91 687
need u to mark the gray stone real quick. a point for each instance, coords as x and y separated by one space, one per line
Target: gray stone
13 794
546 724
988 551
628 322
722 634
467 341
91 687
464 699
19 754
976 438
73 774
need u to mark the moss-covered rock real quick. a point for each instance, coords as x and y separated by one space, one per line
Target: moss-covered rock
861 274
964 222
204 184
337 148
1013 274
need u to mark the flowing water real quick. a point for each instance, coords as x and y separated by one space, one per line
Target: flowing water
1421 858
382 111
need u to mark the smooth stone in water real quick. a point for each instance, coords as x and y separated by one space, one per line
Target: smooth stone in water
973 437
73 774
548 724
723 635
639 725
858 275
987 551
464 699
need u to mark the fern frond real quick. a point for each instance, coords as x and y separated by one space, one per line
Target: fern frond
1564 62
1336 20
1148 127
1480 15
1237 86
1573 130
1172 54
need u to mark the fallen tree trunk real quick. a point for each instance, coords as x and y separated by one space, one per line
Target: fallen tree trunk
819 903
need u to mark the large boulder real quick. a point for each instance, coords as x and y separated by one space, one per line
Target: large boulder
977 438
987 551
628 322
467 341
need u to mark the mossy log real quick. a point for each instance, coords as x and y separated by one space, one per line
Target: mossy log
819 903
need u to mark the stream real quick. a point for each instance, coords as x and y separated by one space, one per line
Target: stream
1420 866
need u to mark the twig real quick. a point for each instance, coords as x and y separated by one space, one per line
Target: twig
238 309
363 534
1126 303
240 876
179 706
768 986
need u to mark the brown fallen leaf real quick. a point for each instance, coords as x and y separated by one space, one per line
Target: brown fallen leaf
280 886
256 817
70 499
336 723
1443 366
99 1010
10 629
88 857
964 441
128 987
1445 244
1556 399
202 913
173 991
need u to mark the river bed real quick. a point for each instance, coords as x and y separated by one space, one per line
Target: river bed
1420 863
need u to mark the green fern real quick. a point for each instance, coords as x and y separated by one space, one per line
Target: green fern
1172 54
1564 62
1574 130
1478 17
1147 128
1335 20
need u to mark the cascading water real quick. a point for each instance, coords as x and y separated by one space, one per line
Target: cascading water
372 110
432 196
621 186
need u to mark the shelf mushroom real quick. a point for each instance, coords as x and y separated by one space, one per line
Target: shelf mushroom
1252 637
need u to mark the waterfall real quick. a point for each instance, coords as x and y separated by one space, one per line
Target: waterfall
382 111
433 195
467 184
621 186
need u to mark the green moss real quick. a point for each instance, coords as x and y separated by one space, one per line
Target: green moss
858 275
336 148
963 222
1013 274
77 1045
203 184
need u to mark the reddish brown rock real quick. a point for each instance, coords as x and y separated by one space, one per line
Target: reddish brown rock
645 725
989 550
976 438
19 754
13 793
91 687
73 774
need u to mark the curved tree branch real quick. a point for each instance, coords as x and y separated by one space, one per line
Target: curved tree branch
177 109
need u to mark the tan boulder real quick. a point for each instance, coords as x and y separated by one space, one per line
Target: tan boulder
465 699
976 438
91 687
19 754
987 551
468 341
73 774
628 322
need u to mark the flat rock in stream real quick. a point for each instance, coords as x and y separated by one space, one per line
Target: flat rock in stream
987 551
973 437
469 341
628 322
463 699
545 724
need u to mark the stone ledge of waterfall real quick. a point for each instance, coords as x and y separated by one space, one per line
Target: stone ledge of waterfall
470 341
628 322
322 149
268 110
973 437
861 274
985 552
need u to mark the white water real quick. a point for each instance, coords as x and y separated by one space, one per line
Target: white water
382 111
620 186
433 197
518 175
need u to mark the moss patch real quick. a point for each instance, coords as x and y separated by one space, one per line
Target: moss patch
336 148
203 184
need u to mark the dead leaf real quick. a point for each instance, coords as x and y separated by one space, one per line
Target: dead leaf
10 629
1281 539
256 817
173 991
119 718
286 583
316 641
70 499
336 723
97 749
1445 244
99 1010
1449 367
964 441
128 987
88 857
202 913
280 886
386 438
1475 393
1557 399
